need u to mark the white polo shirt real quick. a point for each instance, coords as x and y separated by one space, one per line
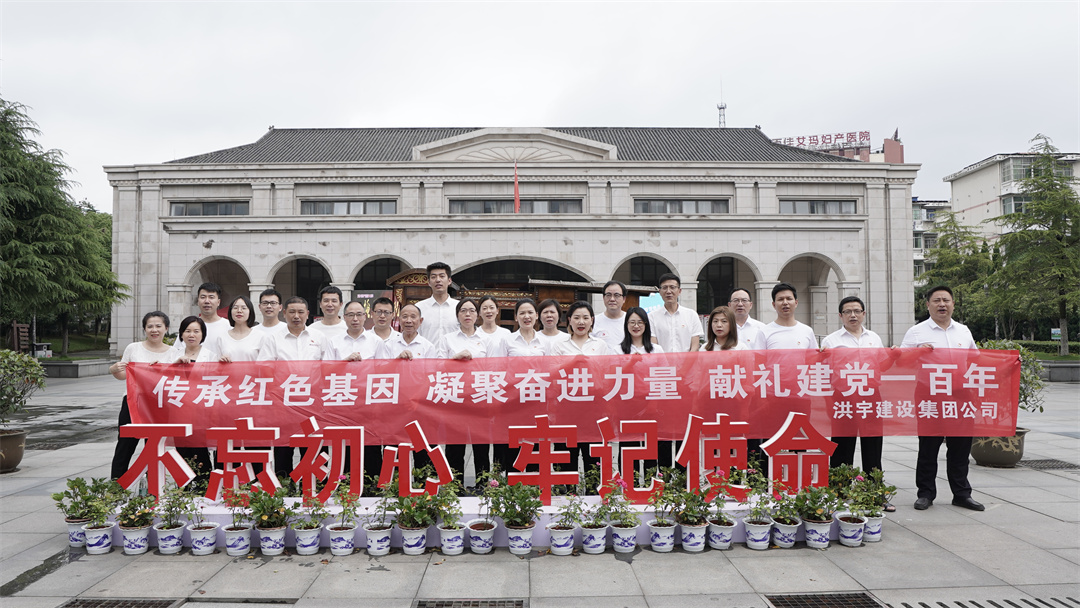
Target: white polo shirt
752 333
517 346
843 338
496 341
594 346
781 336
957 335
673 331
307 346
609 330
640 350
341 346
439 319
420 347
246 349
452 344
280 328
215 330
738 346
550 341
329 332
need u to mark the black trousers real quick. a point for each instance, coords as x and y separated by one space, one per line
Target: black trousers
125 446
845 452
957 450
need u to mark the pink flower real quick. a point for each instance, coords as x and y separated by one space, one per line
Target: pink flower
751 470
494 483
858 478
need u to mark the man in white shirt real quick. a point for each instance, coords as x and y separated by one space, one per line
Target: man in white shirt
439 311
785 331
355 344
383 311
330 325
940 331
209 300
609 326
854 335
297 344
751 331
408 344
270 309
677 329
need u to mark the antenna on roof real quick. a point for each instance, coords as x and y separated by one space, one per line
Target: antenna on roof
270 128
722 106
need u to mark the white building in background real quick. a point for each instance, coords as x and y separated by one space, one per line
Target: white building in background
720 207
991 187
924 231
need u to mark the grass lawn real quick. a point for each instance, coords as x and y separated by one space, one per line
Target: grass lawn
78 343
1049 357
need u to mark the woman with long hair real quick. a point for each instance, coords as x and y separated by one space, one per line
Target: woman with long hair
637 333
239 343
581 341
722 332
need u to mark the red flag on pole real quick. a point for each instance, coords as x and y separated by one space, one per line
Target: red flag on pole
517 195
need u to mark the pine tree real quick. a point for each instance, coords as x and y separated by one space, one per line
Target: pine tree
1041 242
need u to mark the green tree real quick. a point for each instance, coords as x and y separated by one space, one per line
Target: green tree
54 257
962 262
1041 242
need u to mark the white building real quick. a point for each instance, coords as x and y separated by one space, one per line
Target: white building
991 187
721 207
924 231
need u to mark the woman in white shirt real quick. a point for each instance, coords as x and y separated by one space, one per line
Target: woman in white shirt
549 314
637 334
490 329
465 344
191 338
723 333
525 342
581 341
241 343
151 350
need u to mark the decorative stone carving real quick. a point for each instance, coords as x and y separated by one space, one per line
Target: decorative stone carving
514 153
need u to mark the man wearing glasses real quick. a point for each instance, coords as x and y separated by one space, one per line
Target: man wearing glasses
270 309
854 335
751 331
355 344
677 329
609 326
383 311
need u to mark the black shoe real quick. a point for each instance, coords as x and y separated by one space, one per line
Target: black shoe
967 502
923 504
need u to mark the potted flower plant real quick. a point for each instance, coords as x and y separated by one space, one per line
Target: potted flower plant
758 520
1007 451
343 532
721 525
870 495
518 505
272 516
815 506
377 524
20 376
74 503
691 511
568 517
105 495
173 505
785 514
238 533
448 507
413 515
664 499
852 521
307 527
622 516
594 527
203 533
135 517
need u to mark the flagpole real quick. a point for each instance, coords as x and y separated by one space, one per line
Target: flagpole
517 195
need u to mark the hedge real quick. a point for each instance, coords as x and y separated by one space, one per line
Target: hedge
1048 346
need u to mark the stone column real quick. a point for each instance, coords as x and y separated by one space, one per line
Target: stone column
898 256
261 199
180 303
767 202
819 309
745 202
433 199
849 288
410 198
621 203
254 289
346 291
152 258
125 314
597 201
763 301
284 199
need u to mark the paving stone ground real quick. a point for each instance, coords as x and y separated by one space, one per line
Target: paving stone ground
1025 546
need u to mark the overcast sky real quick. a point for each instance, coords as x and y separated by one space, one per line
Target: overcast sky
115 83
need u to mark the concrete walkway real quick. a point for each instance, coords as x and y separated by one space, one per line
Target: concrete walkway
1025 545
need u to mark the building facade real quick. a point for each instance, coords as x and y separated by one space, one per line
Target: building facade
992 187
720 207
924 231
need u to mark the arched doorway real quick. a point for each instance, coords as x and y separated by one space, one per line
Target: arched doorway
719 278
227 273
302 277
641 270
513 274
815 280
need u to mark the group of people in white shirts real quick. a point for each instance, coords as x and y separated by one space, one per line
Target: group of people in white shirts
443 327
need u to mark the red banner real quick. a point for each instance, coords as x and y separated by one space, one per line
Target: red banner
845 392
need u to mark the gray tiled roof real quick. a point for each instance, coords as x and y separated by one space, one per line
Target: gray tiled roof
395 145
